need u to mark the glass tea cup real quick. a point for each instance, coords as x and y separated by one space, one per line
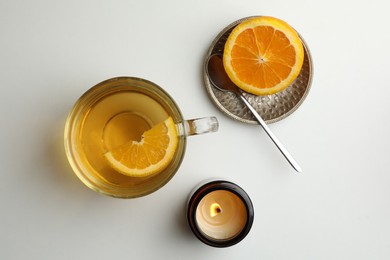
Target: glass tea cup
110 114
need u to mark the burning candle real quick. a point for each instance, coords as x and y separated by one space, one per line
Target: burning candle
220 213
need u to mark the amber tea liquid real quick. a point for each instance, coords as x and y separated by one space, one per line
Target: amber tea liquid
115 120
108 115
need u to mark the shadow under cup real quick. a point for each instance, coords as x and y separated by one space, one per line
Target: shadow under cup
96 122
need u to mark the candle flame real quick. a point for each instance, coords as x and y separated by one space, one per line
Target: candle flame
215 209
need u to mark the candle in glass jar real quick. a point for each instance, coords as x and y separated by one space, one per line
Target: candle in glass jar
220 213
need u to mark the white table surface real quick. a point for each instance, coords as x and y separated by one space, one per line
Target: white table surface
338 208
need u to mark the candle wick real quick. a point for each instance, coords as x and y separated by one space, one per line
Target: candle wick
215 209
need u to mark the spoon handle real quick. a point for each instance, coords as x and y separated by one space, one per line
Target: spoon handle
273 137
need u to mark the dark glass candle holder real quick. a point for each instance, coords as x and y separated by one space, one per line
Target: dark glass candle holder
220 213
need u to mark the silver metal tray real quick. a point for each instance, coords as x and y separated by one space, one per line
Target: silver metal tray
272 108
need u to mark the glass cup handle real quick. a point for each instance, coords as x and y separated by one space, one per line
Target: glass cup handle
200 126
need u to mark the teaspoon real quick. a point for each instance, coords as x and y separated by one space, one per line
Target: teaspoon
221 81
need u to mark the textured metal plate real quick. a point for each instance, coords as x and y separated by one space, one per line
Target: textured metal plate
272 108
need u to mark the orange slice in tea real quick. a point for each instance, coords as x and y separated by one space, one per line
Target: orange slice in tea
148 156
263 55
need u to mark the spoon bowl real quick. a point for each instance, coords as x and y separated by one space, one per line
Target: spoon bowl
218 75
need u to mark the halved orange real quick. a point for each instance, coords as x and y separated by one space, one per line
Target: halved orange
263 55
148 156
